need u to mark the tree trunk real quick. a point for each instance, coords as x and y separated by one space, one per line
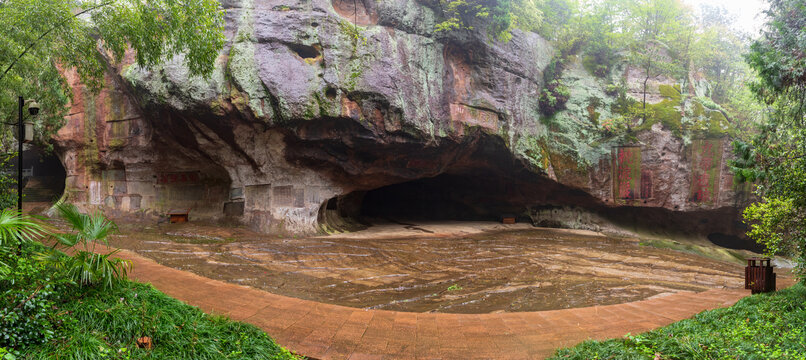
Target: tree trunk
646 80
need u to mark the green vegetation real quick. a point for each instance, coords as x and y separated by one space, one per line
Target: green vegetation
659 26
768 326
651 46
712 251
764 326
776 156
42 37
80 306
86 267
107 324
499 17
8 183
354 33
553 97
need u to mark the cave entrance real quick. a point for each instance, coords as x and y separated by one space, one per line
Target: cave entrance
483 184
480 195
43 177
475 196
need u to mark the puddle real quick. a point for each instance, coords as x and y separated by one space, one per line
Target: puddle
516 270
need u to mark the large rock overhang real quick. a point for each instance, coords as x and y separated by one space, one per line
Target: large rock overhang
304 108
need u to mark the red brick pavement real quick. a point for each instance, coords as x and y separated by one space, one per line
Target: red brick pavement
325 331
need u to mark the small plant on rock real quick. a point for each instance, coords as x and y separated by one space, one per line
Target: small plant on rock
616 125
553 97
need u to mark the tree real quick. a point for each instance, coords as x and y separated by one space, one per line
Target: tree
780 147
499 16
560 25
40 38
657 25
717 53
718 16
602 27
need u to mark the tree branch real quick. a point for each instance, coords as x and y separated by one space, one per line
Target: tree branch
48 32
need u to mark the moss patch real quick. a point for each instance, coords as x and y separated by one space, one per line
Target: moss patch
531 148
699 110
670 92
668 113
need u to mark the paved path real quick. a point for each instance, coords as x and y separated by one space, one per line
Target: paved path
324 331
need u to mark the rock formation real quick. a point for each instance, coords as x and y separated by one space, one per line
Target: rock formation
320 111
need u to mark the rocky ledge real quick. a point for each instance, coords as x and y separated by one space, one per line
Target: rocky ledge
322 112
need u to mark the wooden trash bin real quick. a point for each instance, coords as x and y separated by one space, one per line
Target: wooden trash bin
758 275
178 215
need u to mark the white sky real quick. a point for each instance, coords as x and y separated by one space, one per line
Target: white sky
748 13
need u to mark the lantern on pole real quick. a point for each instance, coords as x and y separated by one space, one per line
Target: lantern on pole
29 132
33 109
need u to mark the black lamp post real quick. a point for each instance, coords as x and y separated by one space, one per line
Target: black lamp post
33 109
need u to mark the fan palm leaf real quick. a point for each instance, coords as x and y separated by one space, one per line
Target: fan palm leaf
16 228
87 227
86 266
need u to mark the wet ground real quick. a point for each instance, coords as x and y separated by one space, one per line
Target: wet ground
514 269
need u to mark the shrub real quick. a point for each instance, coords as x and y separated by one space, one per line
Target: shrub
614 126
615 89
16 228
30 293
44 314
600 57
25 318
106 323
87 267
553 97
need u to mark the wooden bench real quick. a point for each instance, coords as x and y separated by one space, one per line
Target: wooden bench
507 219
178 215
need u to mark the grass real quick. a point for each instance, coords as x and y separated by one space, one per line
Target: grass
711 252
765 326
98 324
47 312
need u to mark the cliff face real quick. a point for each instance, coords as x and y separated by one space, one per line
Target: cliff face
320 111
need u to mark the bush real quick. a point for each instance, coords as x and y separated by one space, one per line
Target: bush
615 126
600 57
553 97
771 222
28 299
25 316
619 90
